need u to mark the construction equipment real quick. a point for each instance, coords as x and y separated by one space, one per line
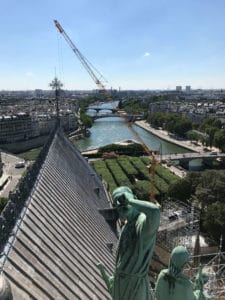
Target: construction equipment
90 69
87 65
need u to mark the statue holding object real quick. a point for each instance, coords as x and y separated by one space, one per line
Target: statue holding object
130 280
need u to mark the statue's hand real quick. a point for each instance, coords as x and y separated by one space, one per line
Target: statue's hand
100 266
122 200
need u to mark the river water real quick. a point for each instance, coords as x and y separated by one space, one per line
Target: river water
114 129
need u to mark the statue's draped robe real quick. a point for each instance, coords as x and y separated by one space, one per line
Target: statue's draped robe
131 281
172 284
183 289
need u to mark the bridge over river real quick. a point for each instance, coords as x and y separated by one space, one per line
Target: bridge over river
98 109
128 117
190 156
188 160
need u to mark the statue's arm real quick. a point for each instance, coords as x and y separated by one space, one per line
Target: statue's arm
151 210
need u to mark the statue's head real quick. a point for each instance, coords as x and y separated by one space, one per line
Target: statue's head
5 289
120 197
178 259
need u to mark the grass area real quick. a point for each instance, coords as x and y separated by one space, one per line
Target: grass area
134 172
30 154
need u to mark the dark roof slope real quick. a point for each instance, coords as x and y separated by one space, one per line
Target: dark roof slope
62 235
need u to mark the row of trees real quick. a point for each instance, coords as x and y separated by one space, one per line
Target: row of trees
174 123
209 132
205 190
215 133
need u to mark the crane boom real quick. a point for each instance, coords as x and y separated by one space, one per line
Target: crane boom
89 68
82 59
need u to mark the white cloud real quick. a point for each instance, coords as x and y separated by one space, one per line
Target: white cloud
146 54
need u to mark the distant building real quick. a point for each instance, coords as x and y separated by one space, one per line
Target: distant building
178 88
188 88
17 128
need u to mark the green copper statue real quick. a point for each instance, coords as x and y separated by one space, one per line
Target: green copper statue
172 284
135 249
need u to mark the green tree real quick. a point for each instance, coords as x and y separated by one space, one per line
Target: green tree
86 120
181 190
220 139
214 221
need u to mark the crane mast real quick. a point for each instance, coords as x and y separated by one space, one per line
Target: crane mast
82 59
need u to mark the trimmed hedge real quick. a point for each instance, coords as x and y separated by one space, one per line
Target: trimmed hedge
130 149
128 168
102 170
169 177
142 189
141 167
134 173
117 173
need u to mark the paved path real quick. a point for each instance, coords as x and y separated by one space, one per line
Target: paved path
9 169
165 136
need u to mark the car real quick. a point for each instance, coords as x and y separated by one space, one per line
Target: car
173 217
20 164
213 153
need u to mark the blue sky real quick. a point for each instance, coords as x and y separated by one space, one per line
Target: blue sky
136 44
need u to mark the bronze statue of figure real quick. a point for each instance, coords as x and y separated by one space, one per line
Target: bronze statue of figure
130 280
173 284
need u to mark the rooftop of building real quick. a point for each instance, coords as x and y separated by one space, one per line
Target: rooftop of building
59 234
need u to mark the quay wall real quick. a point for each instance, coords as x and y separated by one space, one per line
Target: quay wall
21 146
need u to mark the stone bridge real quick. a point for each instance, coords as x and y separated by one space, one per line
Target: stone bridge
129 118
98 109
194 155
187 159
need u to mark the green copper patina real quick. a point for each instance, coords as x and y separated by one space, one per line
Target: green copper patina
135 249
172 284
201 279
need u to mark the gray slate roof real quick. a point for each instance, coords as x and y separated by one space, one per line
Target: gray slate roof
62 235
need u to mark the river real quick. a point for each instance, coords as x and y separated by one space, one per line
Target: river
113 129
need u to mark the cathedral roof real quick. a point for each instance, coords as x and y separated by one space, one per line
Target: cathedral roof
61 234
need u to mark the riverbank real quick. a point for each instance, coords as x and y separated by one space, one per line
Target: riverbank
164 135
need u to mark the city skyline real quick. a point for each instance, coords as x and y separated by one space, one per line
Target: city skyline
136 45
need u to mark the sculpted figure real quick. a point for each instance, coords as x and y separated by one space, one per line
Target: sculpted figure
201 279
5 289
172 284
135 249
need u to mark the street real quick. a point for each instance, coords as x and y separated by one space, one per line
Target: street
13 173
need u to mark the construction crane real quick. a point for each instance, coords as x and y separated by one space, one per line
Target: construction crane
89 68
87 65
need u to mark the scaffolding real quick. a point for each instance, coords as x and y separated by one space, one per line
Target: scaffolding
214 266
179 225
